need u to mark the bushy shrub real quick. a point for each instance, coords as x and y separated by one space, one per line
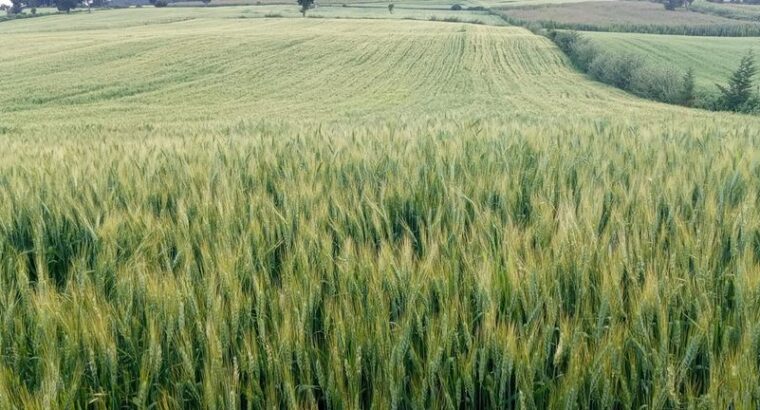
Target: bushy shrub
658 83
616 69
161 3
456 7
537 28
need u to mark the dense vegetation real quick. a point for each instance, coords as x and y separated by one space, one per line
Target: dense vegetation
421 215
713 59
636 73
195 272
629 71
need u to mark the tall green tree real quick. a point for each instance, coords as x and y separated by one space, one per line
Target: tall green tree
305 5
687 92
66 5
16 6
738 92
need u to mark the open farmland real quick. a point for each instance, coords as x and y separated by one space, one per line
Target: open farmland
713 59
629 16
457 71
734 11
204 211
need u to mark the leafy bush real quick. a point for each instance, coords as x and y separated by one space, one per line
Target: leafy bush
456 7
161 3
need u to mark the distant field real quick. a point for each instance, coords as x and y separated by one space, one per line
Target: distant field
414 11
713 59
629 16
406 3
749 12
484 71
203 211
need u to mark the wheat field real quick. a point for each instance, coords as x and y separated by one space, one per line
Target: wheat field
214 212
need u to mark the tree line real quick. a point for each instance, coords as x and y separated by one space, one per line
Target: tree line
668 84
18 6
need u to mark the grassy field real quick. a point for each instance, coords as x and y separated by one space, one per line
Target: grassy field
749 12
629 16
204 211
203 69
713 59
406 3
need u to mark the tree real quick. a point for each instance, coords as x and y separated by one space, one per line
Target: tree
305 5
738 92
66 5
16 7
673 4
390 8
205 2
687 92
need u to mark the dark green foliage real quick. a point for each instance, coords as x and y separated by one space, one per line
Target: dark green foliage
66 5
456 7
17 7
687 90
671 5
305 5
738 95
633 73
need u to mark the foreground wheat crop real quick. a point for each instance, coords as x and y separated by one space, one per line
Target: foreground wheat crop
351 214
